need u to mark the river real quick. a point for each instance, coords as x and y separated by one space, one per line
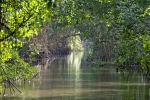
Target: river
69 78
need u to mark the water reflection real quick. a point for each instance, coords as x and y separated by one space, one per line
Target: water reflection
74 64
74 60
67 78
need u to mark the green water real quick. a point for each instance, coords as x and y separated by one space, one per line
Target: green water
69 78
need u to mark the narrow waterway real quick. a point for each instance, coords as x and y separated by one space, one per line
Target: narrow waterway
69 78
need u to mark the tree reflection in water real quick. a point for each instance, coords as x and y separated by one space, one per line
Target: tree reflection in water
67 78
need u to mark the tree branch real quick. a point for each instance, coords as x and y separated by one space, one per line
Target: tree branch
69 36
3 24
14 32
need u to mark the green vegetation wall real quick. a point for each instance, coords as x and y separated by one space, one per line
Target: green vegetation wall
19 20
118 29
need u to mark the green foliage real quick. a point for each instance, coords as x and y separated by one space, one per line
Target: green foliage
134 33
118 27
20 20
16 68
74 43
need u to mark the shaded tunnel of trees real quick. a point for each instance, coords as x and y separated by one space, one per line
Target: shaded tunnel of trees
118 32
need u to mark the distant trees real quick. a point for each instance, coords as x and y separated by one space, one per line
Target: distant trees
119 29
59 40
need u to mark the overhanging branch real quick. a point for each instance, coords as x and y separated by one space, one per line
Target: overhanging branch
14 32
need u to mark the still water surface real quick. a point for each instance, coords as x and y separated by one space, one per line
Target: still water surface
69 78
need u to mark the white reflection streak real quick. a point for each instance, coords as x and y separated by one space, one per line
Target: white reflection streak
70 59
74 62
